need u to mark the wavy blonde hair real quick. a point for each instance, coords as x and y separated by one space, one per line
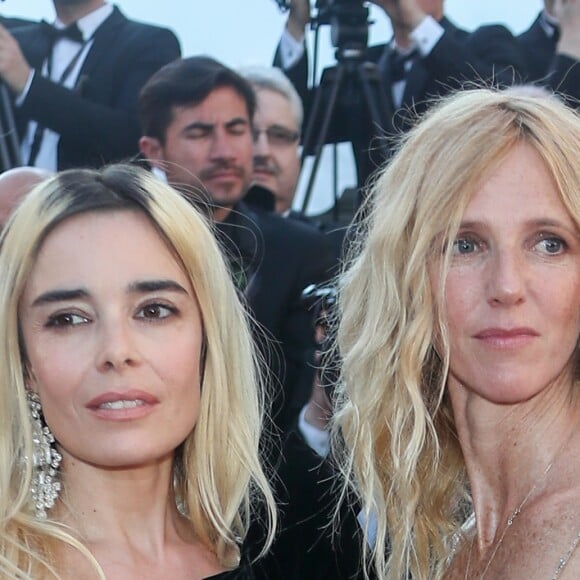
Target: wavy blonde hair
394 425
218 478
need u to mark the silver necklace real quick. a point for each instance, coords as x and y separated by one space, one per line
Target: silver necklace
510 521
563 561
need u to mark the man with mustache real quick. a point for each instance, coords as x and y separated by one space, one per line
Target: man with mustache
197 119
277 125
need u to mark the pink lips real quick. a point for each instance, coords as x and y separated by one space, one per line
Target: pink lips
123 406
506 337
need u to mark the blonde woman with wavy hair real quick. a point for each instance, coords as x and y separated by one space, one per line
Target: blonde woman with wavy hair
458 408
130 400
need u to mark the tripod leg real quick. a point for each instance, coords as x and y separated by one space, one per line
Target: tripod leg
376 101
317 106
380 115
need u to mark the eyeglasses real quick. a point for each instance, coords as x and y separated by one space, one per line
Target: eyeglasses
277 135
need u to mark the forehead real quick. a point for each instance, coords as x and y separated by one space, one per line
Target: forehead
520 186
274 108
221 106
103 248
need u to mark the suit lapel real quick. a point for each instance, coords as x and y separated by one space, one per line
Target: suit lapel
417 80
419 77
103 40
251 246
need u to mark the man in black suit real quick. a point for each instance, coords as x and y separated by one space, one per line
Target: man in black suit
428 56
197 120
551 48
76 84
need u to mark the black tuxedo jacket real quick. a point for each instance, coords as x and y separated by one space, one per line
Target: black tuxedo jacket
555 71
538 51
489 55
12 23
279 258
564 78
311 544
97 121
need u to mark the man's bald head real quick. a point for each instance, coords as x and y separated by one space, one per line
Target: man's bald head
15 184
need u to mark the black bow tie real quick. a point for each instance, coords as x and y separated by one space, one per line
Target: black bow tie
72 32
398 64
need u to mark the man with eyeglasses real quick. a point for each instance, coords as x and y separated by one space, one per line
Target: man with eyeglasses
277 125
197 122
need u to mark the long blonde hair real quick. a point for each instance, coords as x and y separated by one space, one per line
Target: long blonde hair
218 476
394 424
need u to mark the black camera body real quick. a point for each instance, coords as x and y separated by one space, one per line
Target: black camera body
349 22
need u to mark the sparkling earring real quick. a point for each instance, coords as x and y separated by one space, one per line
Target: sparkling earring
46 459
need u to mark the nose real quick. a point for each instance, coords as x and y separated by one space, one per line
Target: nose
506 279
222 146
117 347
261 145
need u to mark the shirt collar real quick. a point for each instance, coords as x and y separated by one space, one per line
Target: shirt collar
90 23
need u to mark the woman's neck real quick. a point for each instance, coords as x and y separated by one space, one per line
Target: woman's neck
125 505
512 451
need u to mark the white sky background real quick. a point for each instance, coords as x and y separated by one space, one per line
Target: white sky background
242 32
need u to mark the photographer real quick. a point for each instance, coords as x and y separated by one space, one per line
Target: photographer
76 83
427 56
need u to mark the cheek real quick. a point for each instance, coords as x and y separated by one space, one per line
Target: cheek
188 154
55 365
179 361
461 301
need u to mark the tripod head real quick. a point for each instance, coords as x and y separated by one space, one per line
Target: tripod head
348 20
349 25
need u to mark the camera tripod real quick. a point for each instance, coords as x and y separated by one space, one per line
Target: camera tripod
350 91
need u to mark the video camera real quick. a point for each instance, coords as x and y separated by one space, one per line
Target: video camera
348 20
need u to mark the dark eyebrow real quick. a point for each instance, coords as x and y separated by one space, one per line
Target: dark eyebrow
145 286
60 296
198 125
236 122
141 287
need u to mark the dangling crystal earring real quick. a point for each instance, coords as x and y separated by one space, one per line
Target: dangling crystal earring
46 459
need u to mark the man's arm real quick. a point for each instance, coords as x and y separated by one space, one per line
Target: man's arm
291 55
564 76
100 115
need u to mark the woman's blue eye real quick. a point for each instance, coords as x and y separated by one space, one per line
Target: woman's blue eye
66 319
464 246
155 311
551 245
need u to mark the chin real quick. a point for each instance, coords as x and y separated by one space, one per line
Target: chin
265 182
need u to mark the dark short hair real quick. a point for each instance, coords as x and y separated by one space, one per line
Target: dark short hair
186 81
